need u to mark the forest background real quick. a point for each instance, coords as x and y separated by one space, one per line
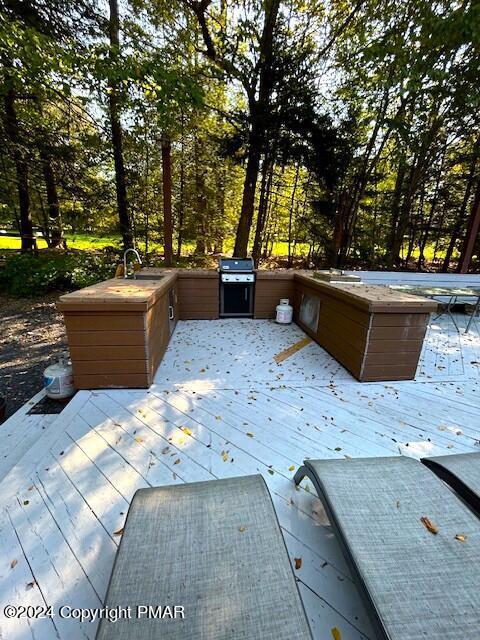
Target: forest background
310 133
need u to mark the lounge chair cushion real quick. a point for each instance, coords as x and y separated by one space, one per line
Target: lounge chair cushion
462 472
215 548
417 584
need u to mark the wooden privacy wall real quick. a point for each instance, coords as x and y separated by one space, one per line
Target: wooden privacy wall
371 344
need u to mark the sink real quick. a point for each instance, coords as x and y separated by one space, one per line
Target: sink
147 276
149 273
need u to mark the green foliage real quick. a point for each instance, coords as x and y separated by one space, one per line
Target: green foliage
30 275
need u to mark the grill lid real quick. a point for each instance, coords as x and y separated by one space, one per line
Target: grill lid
236 265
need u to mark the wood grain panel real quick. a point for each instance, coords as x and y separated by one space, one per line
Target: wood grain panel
112 381
134 352
268 293
158 334
198 298
400 319
393 346
84 367
105 322
375 373
105 338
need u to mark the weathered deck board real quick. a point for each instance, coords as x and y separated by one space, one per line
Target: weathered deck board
221 407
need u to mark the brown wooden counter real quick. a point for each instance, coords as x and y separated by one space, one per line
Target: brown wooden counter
375 332
118 330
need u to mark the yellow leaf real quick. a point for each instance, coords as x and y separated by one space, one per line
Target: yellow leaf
336 635
225 456
249 434
13 564
291 468
460 537
242 529
138 439
186 430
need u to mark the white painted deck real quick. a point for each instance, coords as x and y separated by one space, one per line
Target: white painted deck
220 407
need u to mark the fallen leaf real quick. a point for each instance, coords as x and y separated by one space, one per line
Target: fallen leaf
250 435
291 468
13 564
186 430
336 635
202 370
29 585
138 439
241 528
225 456
429 525
271 472
298 563
25 502
177 461
119 532
165 450
460 537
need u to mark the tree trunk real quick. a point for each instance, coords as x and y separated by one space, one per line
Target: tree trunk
54 217
248 200
21 168
290 215
167 200
201 213
461 215
116 130
266 183
258 116
181 200
472 233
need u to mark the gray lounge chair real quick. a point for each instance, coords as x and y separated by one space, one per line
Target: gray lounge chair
214 548
462 472
416 584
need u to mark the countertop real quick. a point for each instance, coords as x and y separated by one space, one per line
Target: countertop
145 292
371 297
121 291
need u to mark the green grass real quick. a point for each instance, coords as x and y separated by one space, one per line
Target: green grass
80 241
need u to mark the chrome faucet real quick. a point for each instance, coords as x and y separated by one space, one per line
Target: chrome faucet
125 274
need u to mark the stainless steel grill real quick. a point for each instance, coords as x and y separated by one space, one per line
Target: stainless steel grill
237 287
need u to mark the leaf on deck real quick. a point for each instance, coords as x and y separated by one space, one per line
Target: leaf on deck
291 467
177 461
138 439
186 430
30 585
428 524
336 635
13 564
460 537
241 528
298 563
249 434
119 532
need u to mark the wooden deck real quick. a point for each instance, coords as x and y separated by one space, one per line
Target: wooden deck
220 407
